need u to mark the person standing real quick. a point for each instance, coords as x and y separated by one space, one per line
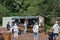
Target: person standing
8 26
15 30
55 30
35 30
25 27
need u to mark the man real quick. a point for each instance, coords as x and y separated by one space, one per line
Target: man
15 30
35 30
55 30
8 26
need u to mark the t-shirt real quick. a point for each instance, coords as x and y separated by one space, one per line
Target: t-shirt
56 28
15 28
35 28
25 25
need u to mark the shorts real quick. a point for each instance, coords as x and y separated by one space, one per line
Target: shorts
55 34
35 35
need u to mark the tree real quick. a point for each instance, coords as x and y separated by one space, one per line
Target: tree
3 11
46 8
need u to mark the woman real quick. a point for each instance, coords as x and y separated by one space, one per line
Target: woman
25 27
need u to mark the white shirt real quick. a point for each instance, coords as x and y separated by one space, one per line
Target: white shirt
15 28
25 25
35 28
56 28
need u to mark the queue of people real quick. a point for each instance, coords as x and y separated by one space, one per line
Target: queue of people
55 29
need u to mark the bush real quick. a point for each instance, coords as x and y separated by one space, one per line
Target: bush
47 27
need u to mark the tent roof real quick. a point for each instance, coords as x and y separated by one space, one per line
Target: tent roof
26 17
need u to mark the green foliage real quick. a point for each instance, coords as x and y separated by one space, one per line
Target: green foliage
3 11
47 27
46 8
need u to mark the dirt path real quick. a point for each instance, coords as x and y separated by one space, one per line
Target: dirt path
29 36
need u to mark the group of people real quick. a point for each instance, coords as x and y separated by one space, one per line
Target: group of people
55 30
15 29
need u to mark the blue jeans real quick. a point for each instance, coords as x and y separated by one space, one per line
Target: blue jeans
25 29
36 35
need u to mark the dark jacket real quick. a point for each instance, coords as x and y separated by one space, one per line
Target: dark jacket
8 27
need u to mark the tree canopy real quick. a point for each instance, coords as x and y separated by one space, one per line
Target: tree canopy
46 8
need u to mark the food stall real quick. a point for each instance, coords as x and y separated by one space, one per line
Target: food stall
20 21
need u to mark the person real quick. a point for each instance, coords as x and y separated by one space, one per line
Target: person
8 26
55 30
35 30
25 27
15 30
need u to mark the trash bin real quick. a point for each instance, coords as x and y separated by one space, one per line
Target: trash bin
50 35
7 36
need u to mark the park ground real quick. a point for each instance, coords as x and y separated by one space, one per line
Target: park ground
29 36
